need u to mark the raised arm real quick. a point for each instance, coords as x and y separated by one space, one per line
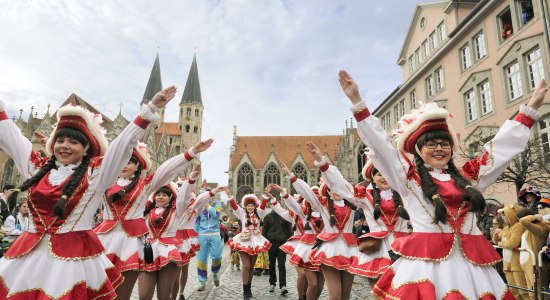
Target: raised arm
509 142
120 150
203 199
177 164
239 211
186 190
290 202
15 144
387 159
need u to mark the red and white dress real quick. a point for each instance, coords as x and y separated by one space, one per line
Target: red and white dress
387 228
61 257
339 245
257 243
123 223
187 213
452 260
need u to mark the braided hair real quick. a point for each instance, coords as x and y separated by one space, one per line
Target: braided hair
397 201
331 209
429 188
76 177
152 205
120 194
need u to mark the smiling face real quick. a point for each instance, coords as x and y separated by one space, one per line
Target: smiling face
250 208
69 146
129 169
380 182
162 199
436 148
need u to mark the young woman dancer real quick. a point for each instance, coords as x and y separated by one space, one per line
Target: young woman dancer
249 242
59 255
336 246
384 212
445 243
123 225
314 280
161 219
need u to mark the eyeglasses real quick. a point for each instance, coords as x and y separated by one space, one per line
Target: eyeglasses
433 145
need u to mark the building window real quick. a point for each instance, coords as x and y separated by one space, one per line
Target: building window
187 127
442 34
513 76
433 40
429 86
544 132
411 64
425 49
527 12
195 129
301 172
412 96
469 98
506 26
170 141
417 57
245 176
534 67
396 113
486 98
196 112
479 42
272 175
188 111
402 108
383 122
439 80
466 57
388 120
361 160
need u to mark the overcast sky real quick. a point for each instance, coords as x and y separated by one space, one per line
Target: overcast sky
268 67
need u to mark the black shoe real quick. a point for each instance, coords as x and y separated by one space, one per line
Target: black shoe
247 293
181 297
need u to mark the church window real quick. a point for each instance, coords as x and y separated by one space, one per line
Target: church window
187 127
361 160
189 112
300 171
245 176
196 112
272 175
195 129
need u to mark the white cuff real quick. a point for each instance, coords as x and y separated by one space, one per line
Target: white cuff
289 176
320 163
284 193
358 106
191 152
150 112
529 111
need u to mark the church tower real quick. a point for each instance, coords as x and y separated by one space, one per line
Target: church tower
190 116
154 85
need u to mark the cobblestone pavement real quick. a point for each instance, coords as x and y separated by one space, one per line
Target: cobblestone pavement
231 285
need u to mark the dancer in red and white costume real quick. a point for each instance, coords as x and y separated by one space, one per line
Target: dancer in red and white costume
59 256
336 246
314 279
161 219
445 244
123 224
250 241
385 215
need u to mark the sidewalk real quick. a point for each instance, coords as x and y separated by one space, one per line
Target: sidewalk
231 285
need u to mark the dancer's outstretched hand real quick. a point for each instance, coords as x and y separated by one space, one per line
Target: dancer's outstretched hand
163 97
538 95
285 168
196 172
202 146
314 151
349 86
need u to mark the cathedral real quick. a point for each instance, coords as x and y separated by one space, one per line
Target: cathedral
164 139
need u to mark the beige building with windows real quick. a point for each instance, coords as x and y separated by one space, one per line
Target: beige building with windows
478 58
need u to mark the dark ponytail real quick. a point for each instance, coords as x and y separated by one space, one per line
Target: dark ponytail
167 210
307 226
120 194
376 199
429 189
248 220
401 211
472 195
72 184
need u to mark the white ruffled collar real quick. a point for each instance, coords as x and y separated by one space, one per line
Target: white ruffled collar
438 173
122 182
59 175
386 194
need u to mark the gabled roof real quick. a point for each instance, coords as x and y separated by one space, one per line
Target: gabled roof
76 100
415 19
192 92
154 85
285 148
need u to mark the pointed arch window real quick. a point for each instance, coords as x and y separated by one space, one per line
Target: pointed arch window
272 175
361 159
245 176
189 111
195 129
196 112
187 127
301 172
8 172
